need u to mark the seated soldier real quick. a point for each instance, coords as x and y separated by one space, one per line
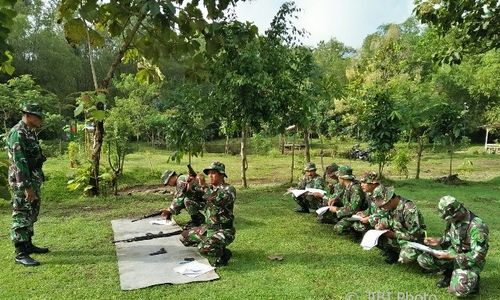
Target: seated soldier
190 199
350 202
213 237
465 240
369 182
334 190
310 180
404 222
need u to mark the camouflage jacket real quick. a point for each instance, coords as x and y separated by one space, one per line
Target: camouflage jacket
333 190
352 200
468 239
373 211
315 182
182 191
25 156
220 203
406 221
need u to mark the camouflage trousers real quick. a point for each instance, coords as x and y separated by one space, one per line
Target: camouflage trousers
343 226
463 281
210 242
24 215
192 207
308 201
407 254
360 227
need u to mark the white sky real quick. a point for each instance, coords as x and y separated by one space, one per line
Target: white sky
349 21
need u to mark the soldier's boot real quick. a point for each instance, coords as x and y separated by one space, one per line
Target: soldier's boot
224 258
302 209
196 220
475 290
390 256
30 248
445 280
22 255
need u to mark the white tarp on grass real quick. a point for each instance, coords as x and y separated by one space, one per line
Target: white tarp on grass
139 269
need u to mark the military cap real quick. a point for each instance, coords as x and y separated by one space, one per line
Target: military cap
382 195
166 176
217 166
309 167
33 109
448 206
345 172
332 168
369 177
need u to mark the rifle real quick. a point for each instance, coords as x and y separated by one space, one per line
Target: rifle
148 216
191 171
149 236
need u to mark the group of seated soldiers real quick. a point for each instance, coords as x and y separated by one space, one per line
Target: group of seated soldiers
465 238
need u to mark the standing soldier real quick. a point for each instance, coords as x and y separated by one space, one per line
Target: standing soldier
213 237
25 179
184 197
403 221
351 201
311 180
466 242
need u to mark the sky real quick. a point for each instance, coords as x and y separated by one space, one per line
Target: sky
349 21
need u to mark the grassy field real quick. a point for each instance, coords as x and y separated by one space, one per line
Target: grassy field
317 264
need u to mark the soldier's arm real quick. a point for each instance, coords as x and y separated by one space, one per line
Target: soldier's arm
379 217
474 258
351 207
319 183
413 226
17 145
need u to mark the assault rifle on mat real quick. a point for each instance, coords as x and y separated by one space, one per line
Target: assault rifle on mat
148 236
148 216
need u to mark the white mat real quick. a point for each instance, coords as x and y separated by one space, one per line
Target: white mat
138 269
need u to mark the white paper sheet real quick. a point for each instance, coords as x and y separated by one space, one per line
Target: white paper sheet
193 269
425 248
370 239
162 222
311 190
297 193
322 210
354 218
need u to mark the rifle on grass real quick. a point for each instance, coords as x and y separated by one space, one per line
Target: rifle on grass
148 216
148 236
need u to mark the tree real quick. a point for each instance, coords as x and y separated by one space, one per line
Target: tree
7 15
154 28
380 125
472 23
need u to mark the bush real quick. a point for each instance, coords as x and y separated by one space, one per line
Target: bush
400 162
259 144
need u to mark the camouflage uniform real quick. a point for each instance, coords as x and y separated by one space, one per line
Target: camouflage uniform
189 199
218 232
25 171
308 201
372 210
26 158
467 240
405 221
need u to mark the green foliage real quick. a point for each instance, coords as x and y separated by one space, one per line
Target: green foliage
259 144
466 168
7 15
400 162
4 184
79 179
380 125
73 154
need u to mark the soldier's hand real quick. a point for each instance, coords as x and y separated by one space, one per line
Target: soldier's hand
361 214
380 226
331 201
334 209
432 241
317 195
201 179
446 255
165 213
30 195
364 220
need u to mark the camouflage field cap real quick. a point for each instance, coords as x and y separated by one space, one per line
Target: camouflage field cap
217 166
383 195
309 167
345 172
448 206
369 177
332 168
166 176
33 109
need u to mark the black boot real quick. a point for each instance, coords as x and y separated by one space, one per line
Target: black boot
445 280
196 220
302 209
34 249
222 260
390 256
22 255
475 290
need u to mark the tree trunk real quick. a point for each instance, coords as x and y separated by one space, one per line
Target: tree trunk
452 149
226 145
321 154
92 69
243 152
420 150
307 150
282 143
189 157
293 159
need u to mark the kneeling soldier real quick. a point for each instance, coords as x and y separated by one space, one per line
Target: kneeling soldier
213 237
466 242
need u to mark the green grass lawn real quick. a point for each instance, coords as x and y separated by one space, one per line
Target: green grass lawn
317 264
